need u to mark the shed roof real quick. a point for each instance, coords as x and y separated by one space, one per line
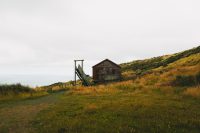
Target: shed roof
108 61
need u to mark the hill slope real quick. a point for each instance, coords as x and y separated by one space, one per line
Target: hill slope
183 62
152 98
166 69
155 62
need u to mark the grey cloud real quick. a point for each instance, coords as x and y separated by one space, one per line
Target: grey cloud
44 36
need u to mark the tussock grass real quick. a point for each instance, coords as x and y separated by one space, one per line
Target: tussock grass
90 108
23 96
193 92
110 88
14 89
18 91
175 74
95 89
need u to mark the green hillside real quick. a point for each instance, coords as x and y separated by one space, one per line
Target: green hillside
157 95
148 64
167 69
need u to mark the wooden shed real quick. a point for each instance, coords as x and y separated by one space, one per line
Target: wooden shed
106 71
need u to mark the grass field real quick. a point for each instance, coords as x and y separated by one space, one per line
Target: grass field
16 115
134 109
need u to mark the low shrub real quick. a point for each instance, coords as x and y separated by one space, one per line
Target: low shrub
184 80
14 89
198 78
187 80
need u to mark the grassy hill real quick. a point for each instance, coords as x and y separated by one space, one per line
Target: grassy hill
148 64
181 69
156 95
187 62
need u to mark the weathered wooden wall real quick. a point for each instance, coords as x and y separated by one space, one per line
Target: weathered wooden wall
106 71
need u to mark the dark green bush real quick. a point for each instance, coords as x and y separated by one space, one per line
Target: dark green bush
14 89
184 80
187 80
198 78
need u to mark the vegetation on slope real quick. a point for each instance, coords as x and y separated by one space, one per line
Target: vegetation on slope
152 98
185 71
14 89
141 66
163 66
18 91
60 86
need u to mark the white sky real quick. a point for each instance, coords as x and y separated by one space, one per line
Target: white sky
43 37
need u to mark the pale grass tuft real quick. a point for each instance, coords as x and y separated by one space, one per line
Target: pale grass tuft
91 108
109 88
193 91
167 90
95 89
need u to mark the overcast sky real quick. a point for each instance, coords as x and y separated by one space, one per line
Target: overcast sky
43 37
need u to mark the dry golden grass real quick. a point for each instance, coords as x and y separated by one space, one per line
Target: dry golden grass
108 88
112 88
90 108
193 91
95 89
56 88
187 61
189 70
167 90
23 96
165 75
129 75
166 78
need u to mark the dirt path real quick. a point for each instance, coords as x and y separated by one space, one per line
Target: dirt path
15 117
